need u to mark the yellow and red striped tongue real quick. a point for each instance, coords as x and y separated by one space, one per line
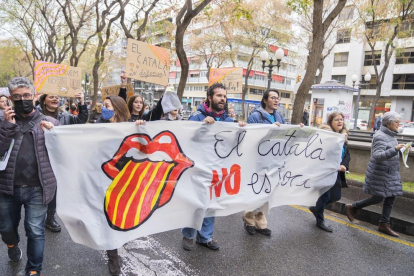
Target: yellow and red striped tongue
135 192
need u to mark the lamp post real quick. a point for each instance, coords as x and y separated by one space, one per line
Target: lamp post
264 56
367 78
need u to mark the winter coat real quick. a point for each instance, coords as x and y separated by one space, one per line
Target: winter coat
383 173
46 175
94 117
65 118
377 124
305 119
201 114
346 158
261 116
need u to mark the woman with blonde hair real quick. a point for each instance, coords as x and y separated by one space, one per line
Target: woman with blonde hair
96 113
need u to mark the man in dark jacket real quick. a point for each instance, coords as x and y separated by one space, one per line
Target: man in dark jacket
305 119
28 177
210 111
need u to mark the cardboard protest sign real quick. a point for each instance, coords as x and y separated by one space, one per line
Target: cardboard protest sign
57 79
146 62
114 91
231 78
4 91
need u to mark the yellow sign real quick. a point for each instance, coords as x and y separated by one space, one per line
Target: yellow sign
114 91
231 78
57 79
146 62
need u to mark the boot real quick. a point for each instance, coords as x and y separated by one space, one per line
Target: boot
51 222
113 262
386 228
350 212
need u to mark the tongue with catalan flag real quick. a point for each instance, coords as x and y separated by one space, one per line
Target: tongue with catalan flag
139 187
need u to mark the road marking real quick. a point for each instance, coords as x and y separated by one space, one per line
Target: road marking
358 227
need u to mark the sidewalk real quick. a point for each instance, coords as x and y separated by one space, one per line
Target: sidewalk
402 216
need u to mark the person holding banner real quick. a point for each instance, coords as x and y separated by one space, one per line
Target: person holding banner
382 180
336 124
255 221
210 111
27 178
49 106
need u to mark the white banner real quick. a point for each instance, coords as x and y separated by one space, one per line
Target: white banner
119 182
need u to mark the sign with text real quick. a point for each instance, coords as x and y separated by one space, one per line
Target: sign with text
146 62
114 91
231 78
134 181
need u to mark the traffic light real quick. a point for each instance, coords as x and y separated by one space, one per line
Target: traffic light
87 78
298 78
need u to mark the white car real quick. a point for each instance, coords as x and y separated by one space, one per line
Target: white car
361 125
408 129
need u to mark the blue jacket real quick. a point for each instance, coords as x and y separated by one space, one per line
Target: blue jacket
201 114
261 116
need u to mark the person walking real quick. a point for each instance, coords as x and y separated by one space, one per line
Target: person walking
382 178
28 179
305 119
377 123
336 124
209 112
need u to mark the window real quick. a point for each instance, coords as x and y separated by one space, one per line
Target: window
341 59
405 57
347 13
407 29
343 36
194 75
404 81
339 78
369 58
373 29
257 77
198 88
203 74
256 91
285 95
372 83
288 81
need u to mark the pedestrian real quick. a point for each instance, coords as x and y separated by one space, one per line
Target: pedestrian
3 104
210 111
377 123
172 116
28 179
49 106
255 221
382 178
232 114
96 113
74 109
336 124
305 119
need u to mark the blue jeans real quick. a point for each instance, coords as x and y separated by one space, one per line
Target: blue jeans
332 195
34 222
204 235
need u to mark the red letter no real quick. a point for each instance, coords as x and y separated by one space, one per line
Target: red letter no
226 178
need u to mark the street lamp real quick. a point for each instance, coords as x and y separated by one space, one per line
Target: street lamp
264 56
367 78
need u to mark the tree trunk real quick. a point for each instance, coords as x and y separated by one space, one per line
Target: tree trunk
182 57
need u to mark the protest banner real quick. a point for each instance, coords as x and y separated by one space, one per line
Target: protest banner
4 91
114 91
133 181
146 62
231 78
57 79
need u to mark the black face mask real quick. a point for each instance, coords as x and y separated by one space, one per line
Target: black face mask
23 107
73 108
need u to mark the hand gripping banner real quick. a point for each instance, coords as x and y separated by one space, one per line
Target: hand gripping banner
119 182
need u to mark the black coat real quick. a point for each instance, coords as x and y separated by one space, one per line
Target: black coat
153 115
341 180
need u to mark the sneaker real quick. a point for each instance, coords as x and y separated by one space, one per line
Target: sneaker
266 231
313 210
249 229
188 244
15 253
213 245
324 227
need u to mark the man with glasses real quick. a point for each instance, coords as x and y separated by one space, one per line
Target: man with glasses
255 221
28 177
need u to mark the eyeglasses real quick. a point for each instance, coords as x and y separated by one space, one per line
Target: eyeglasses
275 98
26 96
338 120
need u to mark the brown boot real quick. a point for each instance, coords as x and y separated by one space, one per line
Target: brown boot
113 262
350 212
386 228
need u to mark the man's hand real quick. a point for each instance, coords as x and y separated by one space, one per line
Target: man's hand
9 114
81 97
242 123
46 125
139 122
209 120
277 123
342 168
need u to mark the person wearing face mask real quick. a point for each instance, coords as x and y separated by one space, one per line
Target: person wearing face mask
336 124
172 116
28 178
382 179
49 106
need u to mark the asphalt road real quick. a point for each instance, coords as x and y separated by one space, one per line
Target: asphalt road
296 247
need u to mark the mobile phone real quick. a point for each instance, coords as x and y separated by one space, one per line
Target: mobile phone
9 103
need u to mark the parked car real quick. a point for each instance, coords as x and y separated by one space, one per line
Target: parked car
361 125
408 128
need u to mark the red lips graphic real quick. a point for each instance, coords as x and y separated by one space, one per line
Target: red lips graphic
139 187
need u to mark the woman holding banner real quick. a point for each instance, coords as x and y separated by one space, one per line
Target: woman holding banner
336 124
49 106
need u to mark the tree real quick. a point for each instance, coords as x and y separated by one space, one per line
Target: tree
381 21
320 27
13 62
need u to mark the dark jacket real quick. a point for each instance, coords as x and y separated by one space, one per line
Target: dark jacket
47 177
377 124
201 114
383 173
65 118
94 117
305 119
261 116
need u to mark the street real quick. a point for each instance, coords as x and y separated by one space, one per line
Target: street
296 247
